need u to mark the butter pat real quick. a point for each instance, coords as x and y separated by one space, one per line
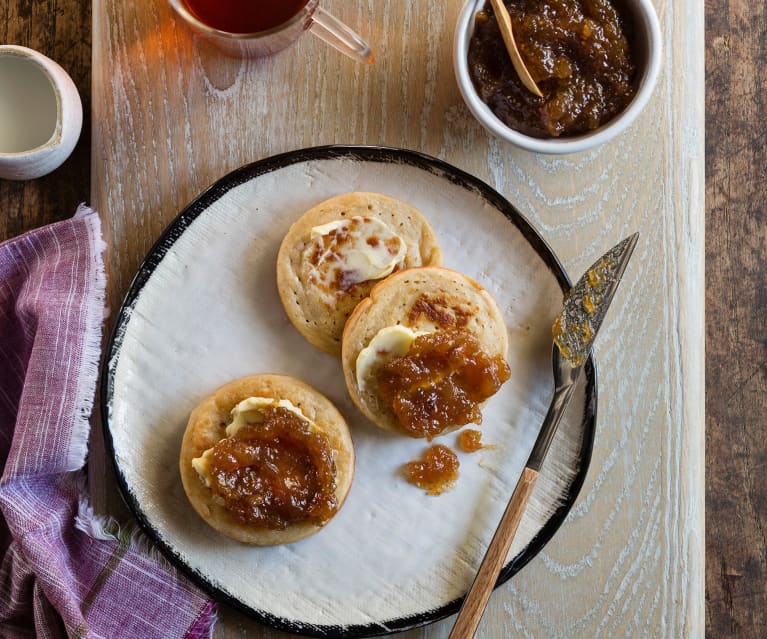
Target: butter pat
354 250
249 411
392 341
202 465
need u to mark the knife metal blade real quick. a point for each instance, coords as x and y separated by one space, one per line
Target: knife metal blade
574 331
587 302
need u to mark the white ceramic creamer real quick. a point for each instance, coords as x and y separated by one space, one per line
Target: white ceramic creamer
41 114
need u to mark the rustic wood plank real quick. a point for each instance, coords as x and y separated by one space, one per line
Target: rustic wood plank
60 29
736 335
172 116
735 361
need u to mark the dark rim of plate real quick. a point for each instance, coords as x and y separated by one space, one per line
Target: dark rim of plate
177 228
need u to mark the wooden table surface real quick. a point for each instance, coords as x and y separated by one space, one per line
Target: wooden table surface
149 138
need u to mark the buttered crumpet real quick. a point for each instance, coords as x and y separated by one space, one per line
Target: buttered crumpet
337 251
266 460
423 353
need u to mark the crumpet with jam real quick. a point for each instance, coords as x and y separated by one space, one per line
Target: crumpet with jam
266 460
423 353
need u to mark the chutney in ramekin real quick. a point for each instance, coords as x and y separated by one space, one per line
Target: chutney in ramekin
579 52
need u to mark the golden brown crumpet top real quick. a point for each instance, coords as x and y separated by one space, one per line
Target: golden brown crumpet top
424 351
337 251
266 460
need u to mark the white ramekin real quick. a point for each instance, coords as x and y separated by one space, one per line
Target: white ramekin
647 41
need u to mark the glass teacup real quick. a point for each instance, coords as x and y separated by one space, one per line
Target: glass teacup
309 17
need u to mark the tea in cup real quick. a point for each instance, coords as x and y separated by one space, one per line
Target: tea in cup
255 28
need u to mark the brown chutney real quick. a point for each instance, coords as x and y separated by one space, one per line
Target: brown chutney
440 382
274 474
435 472
577 51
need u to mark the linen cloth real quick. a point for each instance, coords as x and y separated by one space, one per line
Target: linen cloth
64 572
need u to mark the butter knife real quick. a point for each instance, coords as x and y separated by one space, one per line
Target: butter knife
574 331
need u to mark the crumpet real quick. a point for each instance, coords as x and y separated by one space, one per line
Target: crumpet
335 253
424 352
266 460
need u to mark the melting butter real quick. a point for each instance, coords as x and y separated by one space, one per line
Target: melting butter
354 250
202 465
249 411
392 341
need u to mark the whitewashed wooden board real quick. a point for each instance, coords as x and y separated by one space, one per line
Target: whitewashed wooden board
170 116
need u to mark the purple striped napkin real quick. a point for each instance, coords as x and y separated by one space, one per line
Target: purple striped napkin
63 571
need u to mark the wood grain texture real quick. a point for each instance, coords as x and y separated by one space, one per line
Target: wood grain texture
62 31
172 116
736 335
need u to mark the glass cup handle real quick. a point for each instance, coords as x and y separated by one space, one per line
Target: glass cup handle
338 35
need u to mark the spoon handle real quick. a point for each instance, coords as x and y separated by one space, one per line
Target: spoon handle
504 23
335 33
476 600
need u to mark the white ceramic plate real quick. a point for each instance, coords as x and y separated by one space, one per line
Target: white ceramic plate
203 309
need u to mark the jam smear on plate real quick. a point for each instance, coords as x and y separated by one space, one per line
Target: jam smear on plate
435 472
470 441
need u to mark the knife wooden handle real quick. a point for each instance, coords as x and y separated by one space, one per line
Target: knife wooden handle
474 605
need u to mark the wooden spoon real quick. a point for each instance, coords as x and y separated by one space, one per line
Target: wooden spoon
504 22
